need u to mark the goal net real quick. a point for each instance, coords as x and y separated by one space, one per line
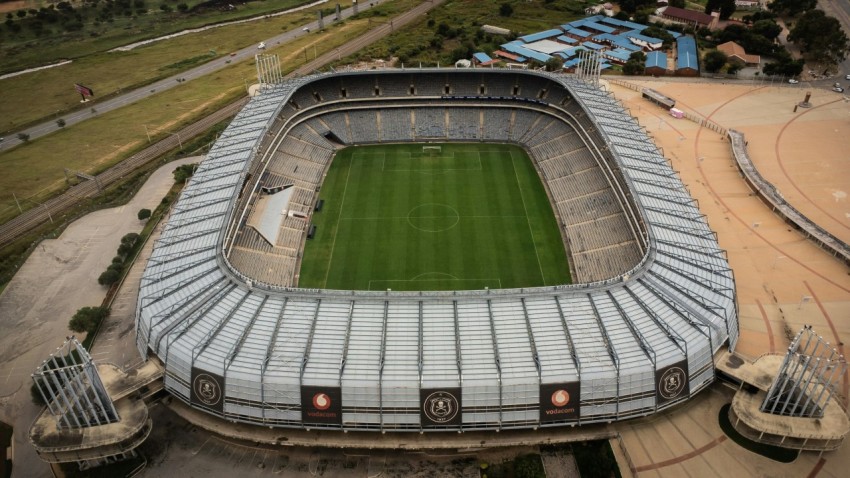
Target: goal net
432 149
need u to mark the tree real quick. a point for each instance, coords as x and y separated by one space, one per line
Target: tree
636 64
506 10
821 38
21 13
87 319
784 66
767 28
714 61
24 137
677 3
182 7
554 64
144 214
726 7
184 172
792 7
660 33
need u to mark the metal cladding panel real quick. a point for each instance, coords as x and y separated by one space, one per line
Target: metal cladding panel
363 357
439 350
588 340
550 339
288 352
325 356
250 355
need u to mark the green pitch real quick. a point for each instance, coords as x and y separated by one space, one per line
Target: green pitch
467 217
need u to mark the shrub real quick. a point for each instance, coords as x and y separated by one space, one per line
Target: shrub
87 319
144 214
109 277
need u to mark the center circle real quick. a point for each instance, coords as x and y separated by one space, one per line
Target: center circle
432 217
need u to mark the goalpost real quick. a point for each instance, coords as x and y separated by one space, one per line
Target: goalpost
428 149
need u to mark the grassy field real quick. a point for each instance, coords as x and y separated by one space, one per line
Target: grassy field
34 171
453 30
50 93
468 217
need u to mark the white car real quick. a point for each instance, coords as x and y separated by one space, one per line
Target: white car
262 45
838 89
847 77
793 81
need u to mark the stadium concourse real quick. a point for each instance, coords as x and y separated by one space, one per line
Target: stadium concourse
655 299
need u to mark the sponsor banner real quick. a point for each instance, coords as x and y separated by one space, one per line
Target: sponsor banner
83 90
441 407
321 405
207 390
559 401
671 383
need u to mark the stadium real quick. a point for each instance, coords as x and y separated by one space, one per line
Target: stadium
652 297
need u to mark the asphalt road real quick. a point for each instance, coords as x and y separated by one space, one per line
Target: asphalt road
95 107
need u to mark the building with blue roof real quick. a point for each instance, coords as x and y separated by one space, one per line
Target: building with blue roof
598 27
592 46
567 40
617 55
644 41
616 41
516 48
578 33
623 24
481 57
687 60
656 63
533 37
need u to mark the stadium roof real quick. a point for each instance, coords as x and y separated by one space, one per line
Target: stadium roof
656 59
533 37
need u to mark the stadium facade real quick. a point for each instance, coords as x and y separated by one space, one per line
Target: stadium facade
637 334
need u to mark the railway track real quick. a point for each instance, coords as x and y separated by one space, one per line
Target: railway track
33 218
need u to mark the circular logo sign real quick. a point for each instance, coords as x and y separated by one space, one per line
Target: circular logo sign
672 383
440 407
321 401
207 390
560 398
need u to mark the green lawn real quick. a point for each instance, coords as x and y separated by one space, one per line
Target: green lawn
468 217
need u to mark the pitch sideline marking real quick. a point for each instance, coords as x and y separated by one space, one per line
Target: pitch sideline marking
338 220
528 220
429 280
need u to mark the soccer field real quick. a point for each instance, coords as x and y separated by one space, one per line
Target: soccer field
467 217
